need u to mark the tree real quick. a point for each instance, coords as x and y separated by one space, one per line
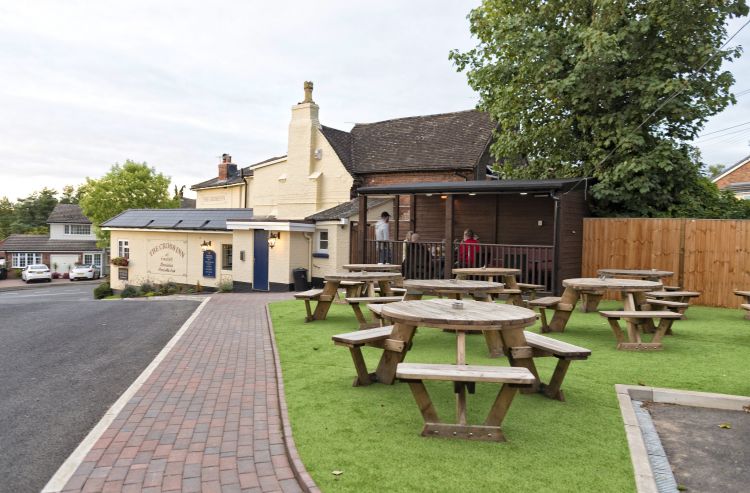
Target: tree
70 195
6 217
128 186
612 89
30 214
714 170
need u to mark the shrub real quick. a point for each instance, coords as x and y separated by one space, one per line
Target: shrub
150 294
66 276
17 272
56 275
147 287
226 286
102 291
129 292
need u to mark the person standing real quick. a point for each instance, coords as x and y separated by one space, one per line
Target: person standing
467 251
382 236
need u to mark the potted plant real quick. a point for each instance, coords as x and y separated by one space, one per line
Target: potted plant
120 261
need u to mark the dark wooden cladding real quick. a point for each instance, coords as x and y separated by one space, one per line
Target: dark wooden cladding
518 219
476 213
573 208
430 217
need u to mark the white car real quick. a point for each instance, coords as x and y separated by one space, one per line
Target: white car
80 271
36 272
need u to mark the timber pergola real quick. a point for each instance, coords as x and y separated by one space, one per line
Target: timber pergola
564 201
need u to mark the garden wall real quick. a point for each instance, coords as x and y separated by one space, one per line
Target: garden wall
707 255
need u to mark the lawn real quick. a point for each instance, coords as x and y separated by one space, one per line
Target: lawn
371 433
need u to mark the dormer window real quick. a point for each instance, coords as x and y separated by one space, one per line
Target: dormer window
77 229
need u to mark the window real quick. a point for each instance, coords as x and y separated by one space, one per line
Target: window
226 257
21 260
123 248
77 229
323 241
92 258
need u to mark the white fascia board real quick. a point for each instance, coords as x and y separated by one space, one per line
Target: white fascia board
268 164
271 225
221 186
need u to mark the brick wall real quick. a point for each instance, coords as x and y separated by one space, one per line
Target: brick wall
427 176
739 175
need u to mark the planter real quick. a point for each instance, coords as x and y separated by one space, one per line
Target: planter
120 261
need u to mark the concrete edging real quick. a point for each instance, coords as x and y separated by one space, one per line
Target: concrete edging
63 474
304 479
645 480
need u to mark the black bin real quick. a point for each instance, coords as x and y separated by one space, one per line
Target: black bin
300 279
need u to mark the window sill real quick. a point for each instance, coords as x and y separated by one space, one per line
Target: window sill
320 254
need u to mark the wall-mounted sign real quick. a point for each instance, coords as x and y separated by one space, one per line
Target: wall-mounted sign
209 263
167 259
122 274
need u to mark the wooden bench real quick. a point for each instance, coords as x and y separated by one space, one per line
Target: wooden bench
746 307
746 304
636 323
542 304
394 290
377 337
466 376
352 288
564 352
678 296
355 302
671 288
530 290
308 296
672 306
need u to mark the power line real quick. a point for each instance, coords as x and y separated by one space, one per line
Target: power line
721 131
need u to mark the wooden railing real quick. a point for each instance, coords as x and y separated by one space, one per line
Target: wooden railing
426 259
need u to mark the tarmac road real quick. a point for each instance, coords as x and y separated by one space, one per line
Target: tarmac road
64 360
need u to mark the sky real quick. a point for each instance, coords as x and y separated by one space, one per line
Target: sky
85 85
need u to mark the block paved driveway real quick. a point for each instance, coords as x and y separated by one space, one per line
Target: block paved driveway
207 419
64 359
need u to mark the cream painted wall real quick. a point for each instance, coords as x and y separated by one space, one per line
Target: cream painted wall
338 249
219 198
189 268
243 270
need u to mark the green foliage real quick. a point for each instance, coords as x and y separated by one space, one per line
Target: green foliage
128 186
226 286
6 217
345 427
30 214
147 287
570 84
129 292
102 291
70 195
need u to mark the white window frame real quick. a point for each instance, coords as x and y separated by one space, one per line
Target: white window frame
321 241
35 257
78 229
123 248
226 260
94 258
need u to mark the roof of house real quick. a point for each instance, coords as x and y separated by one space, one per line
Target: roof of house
236 179
68 213
347 209
178 219
734 167
186 203
42 243
477 186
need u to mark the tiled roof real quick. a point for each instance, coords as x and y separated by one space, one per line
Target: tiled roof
42 243
177 219
347 209
68 213
446 141
235 179
732 168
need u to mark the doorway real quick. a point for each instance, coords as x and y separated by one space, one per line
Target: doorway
260 260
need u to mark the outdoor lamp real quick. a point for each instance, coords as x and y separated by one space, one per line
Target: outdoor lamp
206 245
272 237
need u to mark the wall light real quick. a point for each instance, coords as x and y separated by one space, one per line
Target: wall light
272 237
523 193
206 245
443 197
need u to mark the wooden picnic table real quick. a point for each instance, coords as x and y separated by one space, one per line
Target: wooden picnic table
373 267
746 305
590 300
479 290
503 274
383 279
633 295
461 317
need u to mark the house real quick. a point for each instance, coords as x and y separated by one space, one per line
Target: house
71 240
736 178
302 214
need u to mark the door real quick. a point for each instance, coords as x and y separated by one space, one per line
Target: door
62 263
260 260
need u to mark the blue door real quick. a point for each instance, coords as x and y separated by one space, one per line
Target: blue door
260 259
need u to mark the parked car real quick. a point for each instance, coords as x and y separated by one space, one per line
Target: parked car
81 271
36 272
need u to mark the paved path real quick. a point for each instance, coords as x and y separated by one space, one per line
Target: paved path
207 419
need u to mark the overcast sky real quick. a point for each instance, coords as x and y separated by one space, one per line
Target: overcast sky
177 83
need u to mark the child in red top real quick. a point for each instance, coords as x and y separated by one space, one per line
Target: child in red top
468 249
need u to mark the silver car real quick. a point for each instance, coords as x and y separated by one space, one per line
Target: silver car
88 271
36 272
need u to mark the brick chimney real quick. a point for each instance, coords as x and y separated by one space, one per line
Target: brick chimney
302 131
227 169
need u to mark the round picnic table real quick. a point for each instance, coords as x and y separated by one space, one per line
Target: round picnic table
383 279
373 267
633 295
508 321
645 274
479 290
507 275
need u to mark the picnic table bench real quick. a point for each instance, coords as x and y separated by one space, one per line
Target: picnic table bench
636 327
355 302
504 274
675 296
375 337
746 305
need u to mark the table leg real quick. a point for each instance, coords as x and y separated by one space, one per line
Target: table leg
412 295
370 289
513 338
386 372
590 301
460 387
563 310
385 288
325 299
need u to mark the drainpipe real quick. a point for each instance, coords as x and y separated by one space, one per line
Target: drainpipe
309 238
556 244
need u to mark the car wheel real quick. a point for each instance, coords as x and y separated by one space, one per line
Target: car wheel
48 280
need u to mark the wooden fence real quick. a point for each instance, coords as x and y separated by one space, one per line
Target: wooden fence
707 255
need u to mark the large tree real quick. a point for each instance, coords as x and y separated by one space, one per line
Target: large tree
128 186
613 89
30 213
6 217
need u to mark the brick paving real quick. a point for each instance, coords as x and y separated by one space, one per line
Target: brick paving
207 419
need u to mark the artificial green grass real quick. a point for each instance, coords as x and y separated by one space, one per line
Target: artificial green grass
371 433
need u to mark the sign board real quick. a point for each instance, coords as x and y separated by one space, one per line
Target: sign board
209 263
167 259
122 274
